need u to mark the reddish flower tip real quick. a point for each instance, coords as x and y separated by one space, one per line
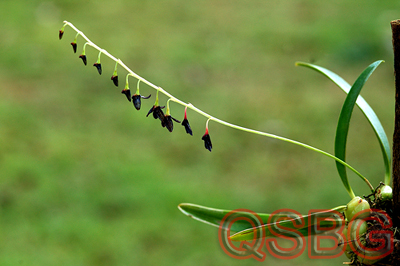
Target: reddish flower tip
83 57
185 117
115 80
60 34
98 66
207 141
74 46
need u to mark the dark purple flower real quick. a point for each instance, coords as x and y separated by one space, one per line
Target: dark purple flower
185 123
60 34
74 45
168 122
207 140
83 57
114 78
98 66
127 93
157 112
137 102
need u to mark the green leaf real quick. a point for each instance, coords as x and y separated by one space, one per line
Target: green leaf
214 217
365 108
345 116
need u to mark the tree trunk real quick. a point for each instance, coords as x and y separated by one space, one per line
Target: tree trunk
396 136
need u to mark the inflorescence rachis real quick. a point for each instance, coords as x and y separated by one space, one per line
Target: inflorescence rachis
156 110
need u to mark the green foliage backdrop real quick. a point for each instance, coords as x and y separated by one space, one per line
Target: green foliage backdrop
85 179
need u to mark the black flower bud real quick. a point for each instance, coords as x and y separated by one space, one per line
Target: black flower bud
74 46
207 141
114 78
98 66
136 100
83 57
127 93
185 123
60 34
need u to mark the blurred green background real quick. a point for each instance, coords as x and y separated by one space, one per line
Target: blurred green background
88 180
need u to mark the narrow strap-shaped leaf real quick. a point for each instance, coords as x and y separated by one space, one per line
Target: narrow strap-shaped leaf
290 229
214 217
366 109
345 116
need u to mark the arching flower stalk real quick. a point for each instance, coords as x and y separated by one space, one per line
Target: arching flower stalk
167 119
351 214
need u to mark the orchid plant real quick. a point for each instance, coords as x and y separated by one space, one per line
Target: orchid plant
381 195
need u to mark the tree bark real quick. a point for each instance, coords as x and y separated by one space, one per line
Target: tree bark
396 136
